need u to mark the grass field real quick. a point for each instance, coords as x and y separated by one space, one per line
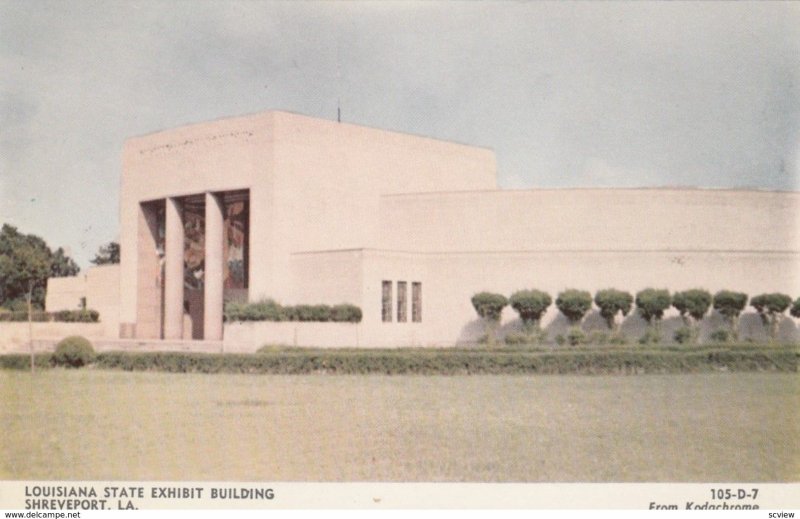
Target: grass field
101 425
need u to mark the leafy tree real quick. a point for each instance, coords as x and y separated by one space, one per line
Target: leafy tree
611 302
489 307
730 304
652 303
530 305
107 254
693 305
771 308
62 265
25 264
574 304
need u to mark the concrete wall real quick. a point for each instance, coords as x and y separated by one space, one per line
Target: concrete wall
99 285
328 178
15 337
102 294
65 293
248 337
592 219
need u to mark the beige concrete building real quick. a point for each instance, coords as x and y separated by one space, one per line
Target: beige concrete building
302 210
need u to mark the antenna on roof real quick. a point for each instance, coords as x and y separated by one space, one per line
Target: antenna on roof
338 110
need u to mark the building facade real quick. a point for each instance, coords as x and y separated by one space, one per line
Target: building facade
302 210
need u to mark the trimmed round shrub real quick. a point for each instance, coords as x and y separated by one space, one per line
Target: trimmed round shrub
652 303
489 306
795 310
73 352
771 308
611 302
530 305
768 305
574 304
694 302
730 304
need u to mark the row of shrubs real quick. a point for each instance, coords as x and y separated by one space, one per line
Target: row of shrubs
62 316
651 303
269 310
77 352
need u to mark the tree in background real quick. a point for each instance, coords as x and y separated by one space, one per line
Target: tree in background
107 254
530 305
489 307
62 265
730 304
693 305
25 264
771 308
612 302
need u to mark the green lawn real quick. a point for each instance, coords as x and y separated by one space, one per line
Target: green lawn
97 425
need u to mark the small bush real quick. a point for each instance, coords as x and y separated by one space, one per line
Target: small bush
683 335
576 337
599 338
73 352
561 340
720 335
617 339
515 339
525 338
651 336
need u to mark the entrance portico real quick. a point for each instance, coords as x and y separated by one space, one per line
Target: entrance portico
197 253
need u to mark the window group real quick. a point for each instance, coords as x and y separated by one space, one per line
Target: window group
387 314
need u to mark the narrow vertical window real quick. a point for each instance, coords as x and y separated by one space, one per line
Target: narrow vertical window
386 302
416 302
402 301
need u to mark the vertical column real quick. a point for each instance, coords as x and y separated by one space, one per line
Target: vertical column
173 271
212 286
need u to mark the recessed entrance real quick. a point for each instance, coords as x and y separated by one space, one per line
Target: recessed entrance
193 256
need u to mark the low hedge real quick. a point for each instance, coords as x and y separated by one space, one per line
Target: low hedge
269 310
63 316
453 361
22 361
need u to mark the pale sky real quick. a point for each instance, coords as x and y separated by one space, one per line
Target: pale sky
566 94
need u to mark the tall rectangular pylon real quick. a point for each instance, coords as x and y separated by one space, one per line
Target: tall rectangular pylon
213 282
173 270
